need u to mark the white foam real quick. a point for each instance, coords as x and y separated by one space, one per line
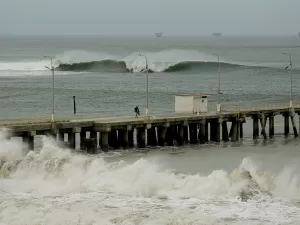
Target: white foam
56 186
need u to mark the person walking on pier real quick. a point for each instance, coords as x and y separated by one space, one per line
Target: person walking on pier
137 112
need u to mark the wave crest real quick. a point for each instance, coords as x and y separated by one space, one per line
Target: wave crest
124 67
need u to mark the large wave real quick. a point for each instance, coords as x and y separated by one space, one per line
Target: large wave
163 61
122 66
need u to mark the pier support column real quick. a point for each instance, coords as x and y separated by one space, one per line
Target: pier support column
238 129
292 115
170 136
234 131
131 138
82 139
241 130
28 140
218 124
263 125
225 137
193 133
161 134
286 124
72 140
151 137
213 131
186 133
123 139
206 132
202 137
271 126
141 141
180 135
104 141
61 137
255 127
113 139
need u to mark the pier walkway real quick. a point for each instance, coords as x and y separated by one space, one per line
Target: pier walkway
153 130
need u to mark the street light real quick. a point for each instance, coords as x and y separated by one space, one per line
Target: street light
147 104
219 84
291 75
52 70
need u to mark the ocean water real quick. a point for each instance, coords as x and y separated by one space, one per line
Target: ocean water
251 182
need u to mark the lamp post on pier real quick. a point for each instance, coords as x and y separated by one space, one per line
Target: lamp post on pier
147 101
291 76
219 85
51 68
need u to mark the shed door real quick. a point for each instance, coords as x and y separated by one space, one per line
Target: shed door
196 105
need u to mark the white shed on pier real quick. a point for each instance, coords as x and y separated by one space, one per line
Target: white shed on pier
191 103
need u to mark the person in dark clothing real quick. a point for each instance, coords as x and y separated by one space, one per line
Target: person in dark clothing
137 111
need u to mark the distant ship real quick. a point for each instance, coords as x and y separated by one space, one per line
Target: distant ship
158 35
299 34
217 34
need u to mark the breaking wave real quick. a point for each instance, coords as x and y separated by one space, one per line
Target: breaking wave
164 61
57 171
124 67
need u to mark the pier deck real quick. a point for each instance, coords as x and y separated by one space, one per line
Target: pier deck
154 129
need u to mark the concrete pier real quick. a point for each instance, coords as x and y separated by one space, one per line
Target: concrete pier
82 139
202 133
61 137
255 127
234 131
28 140
141 141
225 136
182 128
170 136
271 126
263 125
241 130
286 124
186 133
123 138
151 137
161 135
72 140
180 135
294 125
218 129
130 138
113 139
104 141
193 133
213 131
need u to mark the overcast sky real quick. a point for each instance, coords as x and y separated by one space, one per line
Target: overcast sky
142 17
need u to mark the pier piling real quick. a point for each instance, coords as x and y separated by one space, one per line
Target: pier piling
180 135
286 124
193 133
71 140
255 127
271 126
162 135
151 137
234 131
113 139
202 132
225 137
104 141
241 130
141 141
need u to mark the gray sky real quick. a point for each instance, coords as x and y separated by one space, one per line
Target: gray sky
141 17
